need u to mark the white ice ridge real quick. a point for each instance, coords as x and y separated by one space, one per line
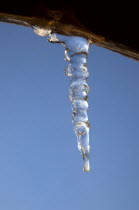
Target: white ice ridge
76 52
41 31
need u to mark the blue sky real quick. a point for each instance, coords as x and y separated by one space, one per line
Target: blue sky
40 165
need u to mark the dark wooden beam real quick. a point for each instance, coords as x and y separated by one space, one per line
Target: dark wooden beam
114 28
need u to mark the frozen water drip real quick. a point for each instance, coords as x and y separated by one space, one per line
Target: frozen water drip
76 52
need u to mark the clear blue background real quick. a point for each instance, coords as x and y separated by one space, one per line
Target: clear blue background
40 165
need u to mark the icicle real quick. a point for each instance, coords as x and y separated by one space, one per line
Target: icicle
76 51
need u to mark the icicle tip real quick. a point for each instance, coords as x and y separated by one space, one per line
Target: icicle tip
86 167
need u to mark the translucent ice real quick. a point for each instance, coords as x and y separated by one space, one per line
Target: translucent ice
76 51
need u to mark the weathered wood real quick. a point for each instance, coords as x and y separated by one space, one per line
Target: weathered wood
114 29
